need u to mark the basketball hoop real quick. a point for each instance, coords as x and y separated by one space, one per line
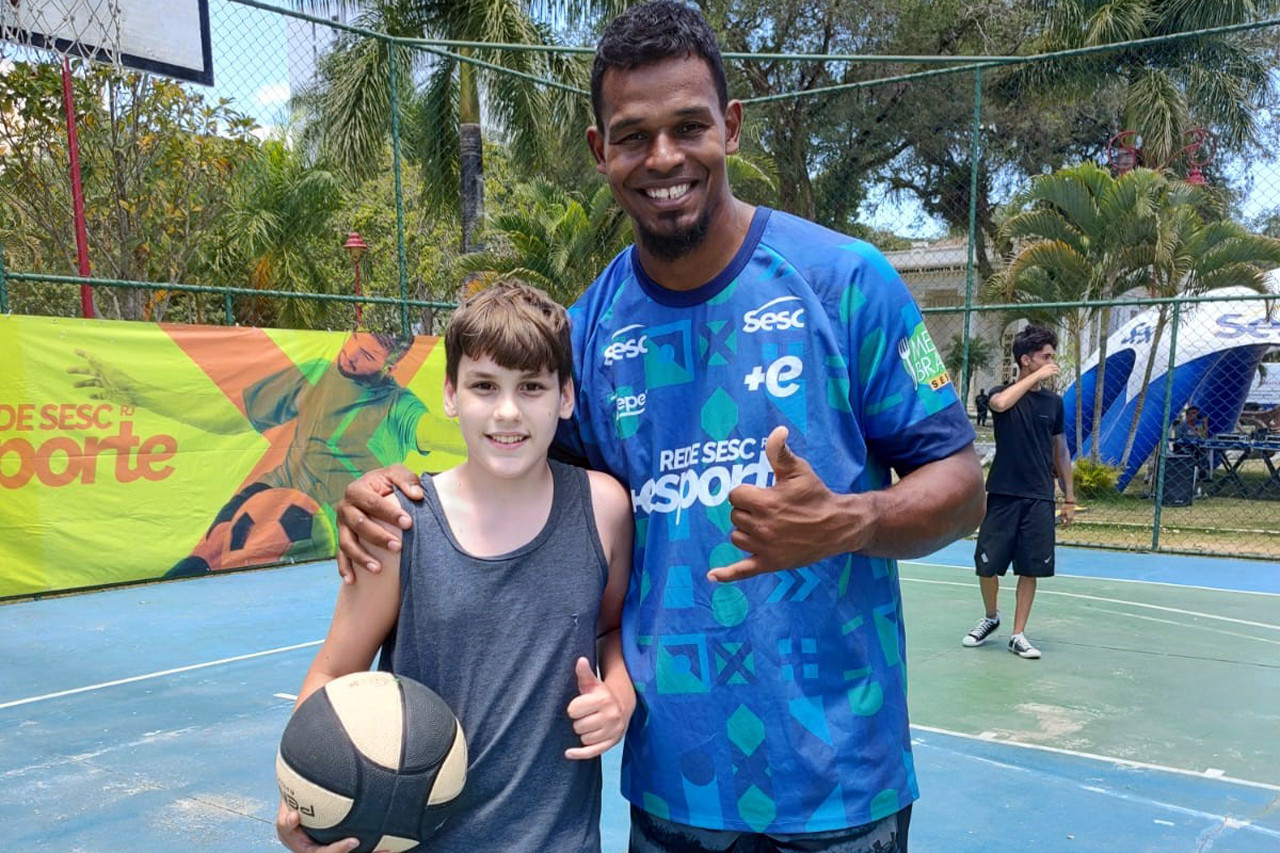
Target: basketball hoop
83 28
168 37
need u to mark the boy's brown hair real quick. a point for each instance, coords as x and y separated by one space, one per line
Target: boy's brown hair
515 324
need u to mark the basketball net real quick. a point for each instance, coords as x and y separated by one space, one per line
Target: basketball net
84 28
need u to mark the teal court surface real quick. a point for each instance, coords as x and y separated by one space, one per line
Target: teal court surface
146 718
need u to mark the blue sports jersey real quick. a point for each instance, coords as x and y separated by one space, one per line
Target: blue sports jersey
778 703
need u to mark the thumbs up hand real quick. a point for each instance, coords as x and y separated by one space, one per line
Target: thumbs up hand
794 522
597 715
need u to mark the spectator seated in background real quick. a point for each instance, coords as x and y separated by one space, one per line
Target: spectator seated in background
1187 434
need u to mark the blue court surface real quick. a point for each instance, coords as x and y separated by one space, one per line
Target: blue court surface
146 718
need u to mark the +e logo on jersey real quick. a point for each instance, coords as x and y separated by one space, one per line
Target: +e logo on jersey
779 378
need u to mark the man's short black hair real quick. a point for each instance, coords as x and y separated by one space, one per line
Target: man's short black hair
652 32
1032 339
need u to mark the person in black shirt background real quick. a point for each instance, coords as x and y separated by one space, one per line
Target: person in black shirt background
980 404
1031 452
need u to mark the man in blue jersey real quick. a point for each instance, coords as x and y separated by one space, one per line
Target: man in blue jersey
754 379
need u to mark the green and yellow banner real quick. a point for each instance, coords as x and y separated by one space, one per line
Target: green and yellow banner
131 451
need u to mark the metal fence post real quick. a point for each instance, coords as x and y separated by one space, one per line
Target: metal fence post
976 148
4 285
392 46
1162 449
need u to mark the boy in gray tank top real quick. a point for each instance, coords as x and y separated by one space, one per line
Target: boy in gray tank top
508 595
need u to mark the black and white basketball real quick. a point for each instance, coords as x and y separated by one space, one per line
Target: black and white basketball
372 756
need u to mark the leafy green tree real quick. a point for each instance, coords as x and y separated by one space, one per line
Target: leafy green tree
982 356
1219 82
368 207
155 160
552 238
350 109
278 233
1080 236
1267 223
903 141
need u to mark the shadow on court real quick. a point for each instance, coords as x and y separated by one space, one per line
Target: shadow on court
146 718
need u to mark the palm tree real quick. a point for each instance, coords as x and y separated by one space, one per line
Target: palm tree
1168 88
351 104
1078 236
560 240
273 236
981 357
552 238
1193 251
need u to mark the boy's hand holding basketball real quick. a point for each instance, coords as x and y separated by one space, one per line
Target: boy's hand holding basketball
598 717
292 836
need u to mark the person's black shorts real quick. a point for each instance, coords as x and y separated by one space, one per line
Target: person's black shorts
652 834
1018 531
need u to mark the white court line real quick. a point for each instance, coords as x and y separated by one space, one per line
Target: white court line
1110 580
1127 762
151 675
1223 821
1126 601
1126 614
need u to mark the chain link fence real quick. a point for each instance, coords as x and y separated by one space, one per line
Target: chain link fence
1059 186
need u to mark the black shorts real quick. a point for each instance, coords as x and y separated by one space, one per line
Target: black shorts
1019 531
652 834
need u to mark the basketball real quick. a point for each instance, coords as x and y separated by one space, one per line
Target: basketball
372 756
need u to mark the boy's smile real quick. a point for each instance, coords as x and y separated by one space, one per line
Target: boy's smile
508 417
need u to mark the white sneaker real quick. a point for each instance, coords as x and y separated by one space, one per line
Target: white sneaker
1021 647
985 628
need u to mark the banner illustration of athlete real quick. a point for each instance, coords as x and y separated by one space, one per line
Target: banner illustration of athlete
348 415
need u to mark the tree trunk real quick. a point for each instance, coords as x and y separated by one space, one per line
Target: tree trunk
1161 319
470 159
1078 342
790 144
471 163
1104 332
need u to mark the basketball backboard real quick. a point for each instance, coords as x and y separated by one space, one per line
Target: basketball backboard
168 37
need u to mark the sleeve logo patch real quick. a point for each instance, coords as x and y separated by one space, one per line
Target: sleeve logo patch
921 360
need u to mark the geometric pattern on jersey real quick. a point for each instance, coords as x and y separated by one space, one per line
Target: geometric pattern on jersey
777 703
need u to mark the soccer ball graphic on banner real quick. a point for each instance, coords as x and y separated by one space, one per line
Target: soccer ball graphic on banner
375 757
271 525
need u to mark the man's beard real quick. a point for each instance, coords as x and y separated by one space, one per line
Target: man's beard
672 247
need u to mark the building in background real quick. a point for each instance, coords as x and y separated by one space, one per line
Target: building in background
308 41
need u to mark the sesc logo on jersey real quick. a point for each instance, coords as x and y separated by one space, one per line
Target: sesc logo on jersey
776 315
921 359
626 343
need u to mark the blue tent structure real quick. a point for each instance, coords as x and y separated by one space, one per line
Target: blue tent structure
1220 345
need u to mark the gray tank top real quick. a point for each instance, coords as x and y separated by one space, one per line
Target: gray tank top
497 638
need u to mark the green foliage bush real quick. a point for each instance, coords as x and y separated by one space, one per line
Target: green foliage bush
1095 479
